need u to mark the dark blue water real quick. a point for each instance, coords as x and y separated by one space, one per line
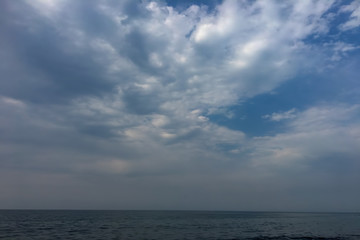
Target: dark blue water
170 225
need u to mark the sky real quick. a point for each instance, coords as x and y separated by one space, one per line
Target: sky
180 105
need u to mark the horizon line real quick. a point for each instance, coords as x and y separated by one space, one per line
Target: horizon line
175 210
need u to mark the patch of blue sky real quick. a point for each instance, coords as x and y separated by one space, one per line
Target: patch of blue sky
331 86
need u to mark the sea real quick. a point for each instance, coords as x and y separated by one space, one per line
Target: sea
171 225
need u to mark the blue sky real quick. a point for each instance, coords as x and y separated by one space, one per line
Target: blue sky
207 105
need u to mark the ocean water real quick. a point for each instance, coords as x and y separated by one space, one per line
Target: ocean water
171 225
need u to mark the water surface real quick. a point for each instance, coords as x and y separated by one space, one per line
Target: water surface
171 225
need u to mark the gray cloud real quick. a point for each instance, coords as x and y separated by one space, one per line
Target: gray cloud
48 62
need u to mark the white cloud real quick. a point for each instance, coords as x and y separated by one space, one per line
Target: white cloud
281 115
12 101
354 19
340 50
316 134
225 49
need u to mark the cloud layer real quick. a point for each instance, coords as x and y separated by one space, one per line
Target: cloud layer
126 93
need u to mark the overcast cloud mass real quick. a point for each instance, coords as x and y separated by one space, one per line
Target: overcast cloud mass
208 105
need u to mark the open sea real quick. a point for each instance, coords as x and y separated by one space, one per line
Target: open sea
171 225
